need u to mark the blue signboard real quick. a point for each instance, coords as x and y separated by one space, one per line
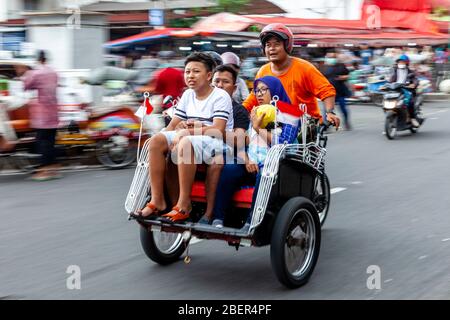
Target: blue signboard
11 41
156 17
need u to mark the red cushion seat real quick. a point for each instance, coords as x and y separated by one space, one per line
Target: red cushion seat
242 198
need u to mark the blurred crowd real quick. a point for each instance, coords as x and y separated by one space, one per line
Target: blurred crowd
427 62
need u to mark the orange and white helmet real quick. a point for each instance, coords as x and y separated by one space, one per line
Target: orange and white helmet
278 30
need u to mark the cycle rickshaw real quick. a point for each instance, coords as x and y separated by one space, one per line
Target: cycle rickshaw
291 205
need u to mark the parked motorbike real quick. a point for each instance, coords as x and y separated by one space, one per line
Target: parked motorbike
365 89
395 101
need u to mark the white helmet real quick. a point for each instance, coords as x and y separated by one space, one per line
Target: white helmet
231 58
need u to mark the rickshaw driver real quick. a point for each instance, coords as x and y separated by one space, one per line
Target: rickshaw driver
302 81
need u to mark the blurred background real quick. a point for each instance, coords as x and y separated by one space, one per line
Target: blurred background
107 53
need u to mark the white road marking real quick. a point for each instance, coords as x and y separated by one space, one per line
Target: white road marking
356 182
445 240
434 118
336 190
436 112
422 257
388 280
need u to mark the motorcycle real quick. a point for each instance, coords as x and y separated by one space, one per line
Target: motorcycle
395 102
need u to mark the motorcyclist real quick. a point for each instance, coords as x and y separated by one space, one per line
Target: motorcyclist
403 74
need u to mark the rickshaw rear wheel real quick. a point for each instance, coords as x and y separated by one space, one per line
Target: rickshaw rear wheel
162 247
295 242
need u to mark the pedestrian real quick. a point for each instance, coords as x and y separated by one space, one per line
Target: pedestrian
44 115
366 55
337 73
169 81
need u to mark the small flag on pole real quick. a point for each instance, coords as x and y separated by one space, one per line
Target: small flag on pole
148 106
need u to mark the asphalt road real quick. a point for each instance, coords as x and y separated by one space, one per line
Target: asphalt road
390 208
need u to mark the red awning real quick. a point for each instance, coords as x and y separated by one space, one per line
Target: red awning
402 14
380 36
397 28
402 5
153 35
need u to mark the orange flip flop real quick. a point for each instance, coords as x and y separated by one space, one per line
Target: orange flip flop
155 212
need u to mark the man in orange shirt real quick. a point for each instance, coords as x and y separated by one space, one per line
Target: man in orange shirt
301 80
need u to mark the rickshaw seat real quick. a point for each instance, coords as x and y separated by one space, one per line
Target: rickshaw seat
241 199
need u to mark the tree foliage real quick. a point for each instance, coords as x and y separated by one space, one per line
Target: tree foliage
233 6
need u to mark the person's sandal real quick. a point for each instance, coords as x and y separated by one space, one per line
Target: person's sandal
153 215
176 215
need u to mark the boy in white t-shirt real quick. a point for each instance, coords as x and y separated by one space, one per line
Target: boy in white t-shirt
195 135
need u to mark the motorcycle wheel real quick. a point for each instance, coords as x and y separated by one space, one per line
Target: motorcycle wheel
117 152
390 126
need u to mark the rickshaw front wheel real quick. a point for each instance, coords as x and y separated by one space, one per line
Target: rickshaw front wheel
295 242
162 247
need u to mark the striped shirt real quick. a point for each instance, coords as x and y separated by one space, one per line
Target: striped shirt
217 105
